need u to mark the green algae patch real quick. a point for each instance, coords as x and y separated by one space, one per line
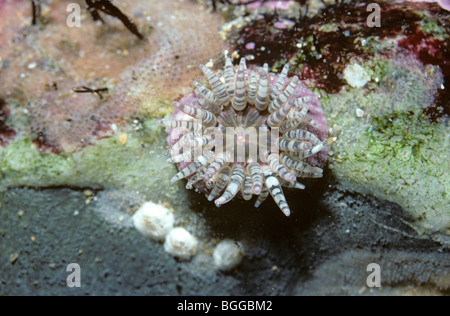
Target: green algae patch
382 144
402 158
130 159
21 163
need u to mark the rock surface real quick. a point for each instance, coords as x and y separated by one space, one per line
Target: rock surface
74 168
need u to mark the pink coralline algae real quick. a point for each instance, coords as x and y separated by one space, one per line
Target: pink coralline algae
249 132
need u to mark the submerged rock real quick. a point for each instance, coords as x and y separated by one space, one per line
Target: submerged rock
388 135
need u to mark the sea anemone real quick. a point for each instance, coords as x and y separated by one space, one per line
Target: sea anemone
247 131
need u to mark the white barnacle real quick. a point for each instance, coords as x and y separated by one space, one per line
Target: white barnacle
228 255
154 220
180 243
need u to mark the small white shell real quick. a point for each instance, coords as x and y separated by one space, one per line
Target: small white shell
154 220
180 243
227 255
356 76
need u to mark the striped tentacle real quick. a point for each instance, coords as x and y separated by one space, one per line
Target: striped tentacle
297 109
221 160
247 188
253 88
199 163
207 118
189 142
262 197
192 147
311 175
206 98
194 179
230 76
300 103
217 86
237 178
247 79
293 145
221 183
184 157
276 118
309 120
201 142
307 153
262 97
184 125
254 169
292 185
207 104
301 134
275 190
279 84
299 165
293 119
211 182
240 92
303 174
207 93
285 96
182 142
279 169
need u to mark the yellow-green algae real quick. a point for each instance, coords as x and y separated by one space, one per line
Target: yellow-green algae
383 144
139 164
404 159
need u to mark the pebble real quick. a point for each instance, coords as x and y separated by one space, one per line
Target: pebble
123 139
356 76
359 112
13 258
250 45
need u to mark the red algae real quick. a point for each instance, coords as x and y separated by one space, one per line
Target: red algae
431 51
324 54
6 133
426 48
322 45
